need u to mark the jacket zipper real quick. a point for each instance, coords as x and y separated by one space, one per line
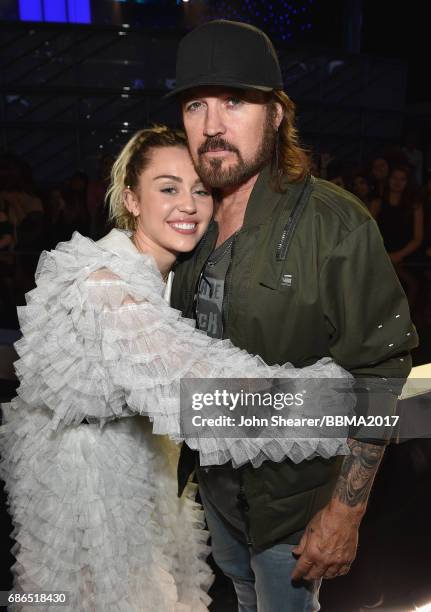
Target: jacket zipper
289 229
226 297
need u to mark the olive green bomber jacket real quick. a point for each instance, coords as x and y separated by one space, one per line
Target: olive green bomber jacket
334 293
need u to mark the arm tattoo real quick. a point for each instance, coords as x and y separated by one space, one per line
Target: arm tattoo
357 473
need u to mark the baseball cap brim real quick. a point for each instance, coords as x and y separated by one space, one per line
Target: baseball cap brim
217 83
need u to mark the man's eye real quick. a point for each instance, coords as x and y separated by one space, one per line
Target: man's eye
193 106
232 101
168 190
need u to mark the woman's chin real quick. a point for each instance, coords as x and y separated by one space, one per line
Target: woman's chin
185 248
185 244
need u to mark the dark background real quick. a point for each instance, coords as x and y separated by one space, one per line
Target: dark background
356 71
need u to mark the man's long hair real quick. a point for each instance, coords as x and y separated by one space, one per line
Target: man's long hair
290 162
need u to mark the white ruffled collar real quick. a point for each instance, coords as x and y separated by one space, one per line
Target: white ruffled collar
118 241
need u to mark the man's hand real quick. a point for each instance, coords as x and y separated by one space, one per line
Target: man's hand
328 546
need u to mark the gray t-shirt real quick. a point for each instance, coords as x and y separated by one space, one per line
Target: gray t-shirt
211 288
220 484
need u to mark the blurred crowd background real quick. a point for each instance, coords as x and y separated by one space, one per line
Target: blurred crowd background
35 217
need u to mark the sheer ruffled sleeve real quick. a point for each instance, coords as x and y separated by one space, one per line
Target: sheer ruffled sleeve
99 342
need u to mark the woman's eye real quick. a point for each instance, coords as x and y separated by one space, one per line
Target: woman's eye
168 190
202 192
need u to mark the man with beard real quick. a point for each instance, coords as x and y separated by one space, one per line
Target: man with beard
292 269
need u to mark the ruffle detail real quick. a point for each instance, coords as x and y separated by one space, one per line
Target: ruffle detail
96 514
99 342
300 444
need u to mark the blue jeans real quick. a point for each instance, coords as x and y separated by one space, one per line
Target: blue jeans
261 579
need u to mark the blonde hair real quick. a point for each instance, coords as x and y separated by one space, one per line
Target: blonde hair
132 160
291 161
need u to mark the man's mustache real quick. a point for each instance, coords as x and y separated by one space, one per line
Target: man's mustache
216 143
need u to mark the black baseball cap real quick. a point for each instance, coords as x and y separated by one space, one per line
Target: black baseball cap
227 53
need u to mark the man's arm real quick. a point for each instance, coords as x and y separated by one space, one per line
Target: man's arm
357 474
328 546
371 335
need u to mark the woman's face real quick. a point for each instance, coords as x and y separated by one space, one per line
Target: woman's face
172 206
360 187
397 181
380 168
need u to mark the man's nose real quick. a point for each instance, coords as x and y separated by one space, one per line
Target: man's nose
214 124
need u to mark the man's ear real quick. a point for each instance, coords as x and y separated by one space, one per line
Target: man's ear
278 115
131 202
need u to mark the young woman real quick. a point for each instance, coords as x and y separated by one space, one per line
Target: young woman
92 491
399 215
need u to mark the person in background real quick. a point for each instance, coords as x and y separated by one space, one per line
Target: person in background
54 225
67 205
378 175
25 208
361 187
75 196
400 216
336 173
414 155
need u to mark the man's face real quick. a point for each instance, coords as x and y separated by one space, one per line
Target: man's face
231 133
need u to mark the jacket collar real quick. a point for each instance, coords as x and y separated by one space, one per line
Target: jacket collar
263 200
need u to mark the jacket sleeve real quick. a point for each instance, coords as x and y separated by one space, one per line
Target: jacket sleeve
368 320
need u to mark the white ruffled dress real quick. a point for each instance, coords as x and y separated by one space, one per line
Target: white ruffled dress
95 506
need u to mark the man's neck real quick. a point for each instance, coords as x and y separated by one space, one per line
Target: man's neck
231 207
